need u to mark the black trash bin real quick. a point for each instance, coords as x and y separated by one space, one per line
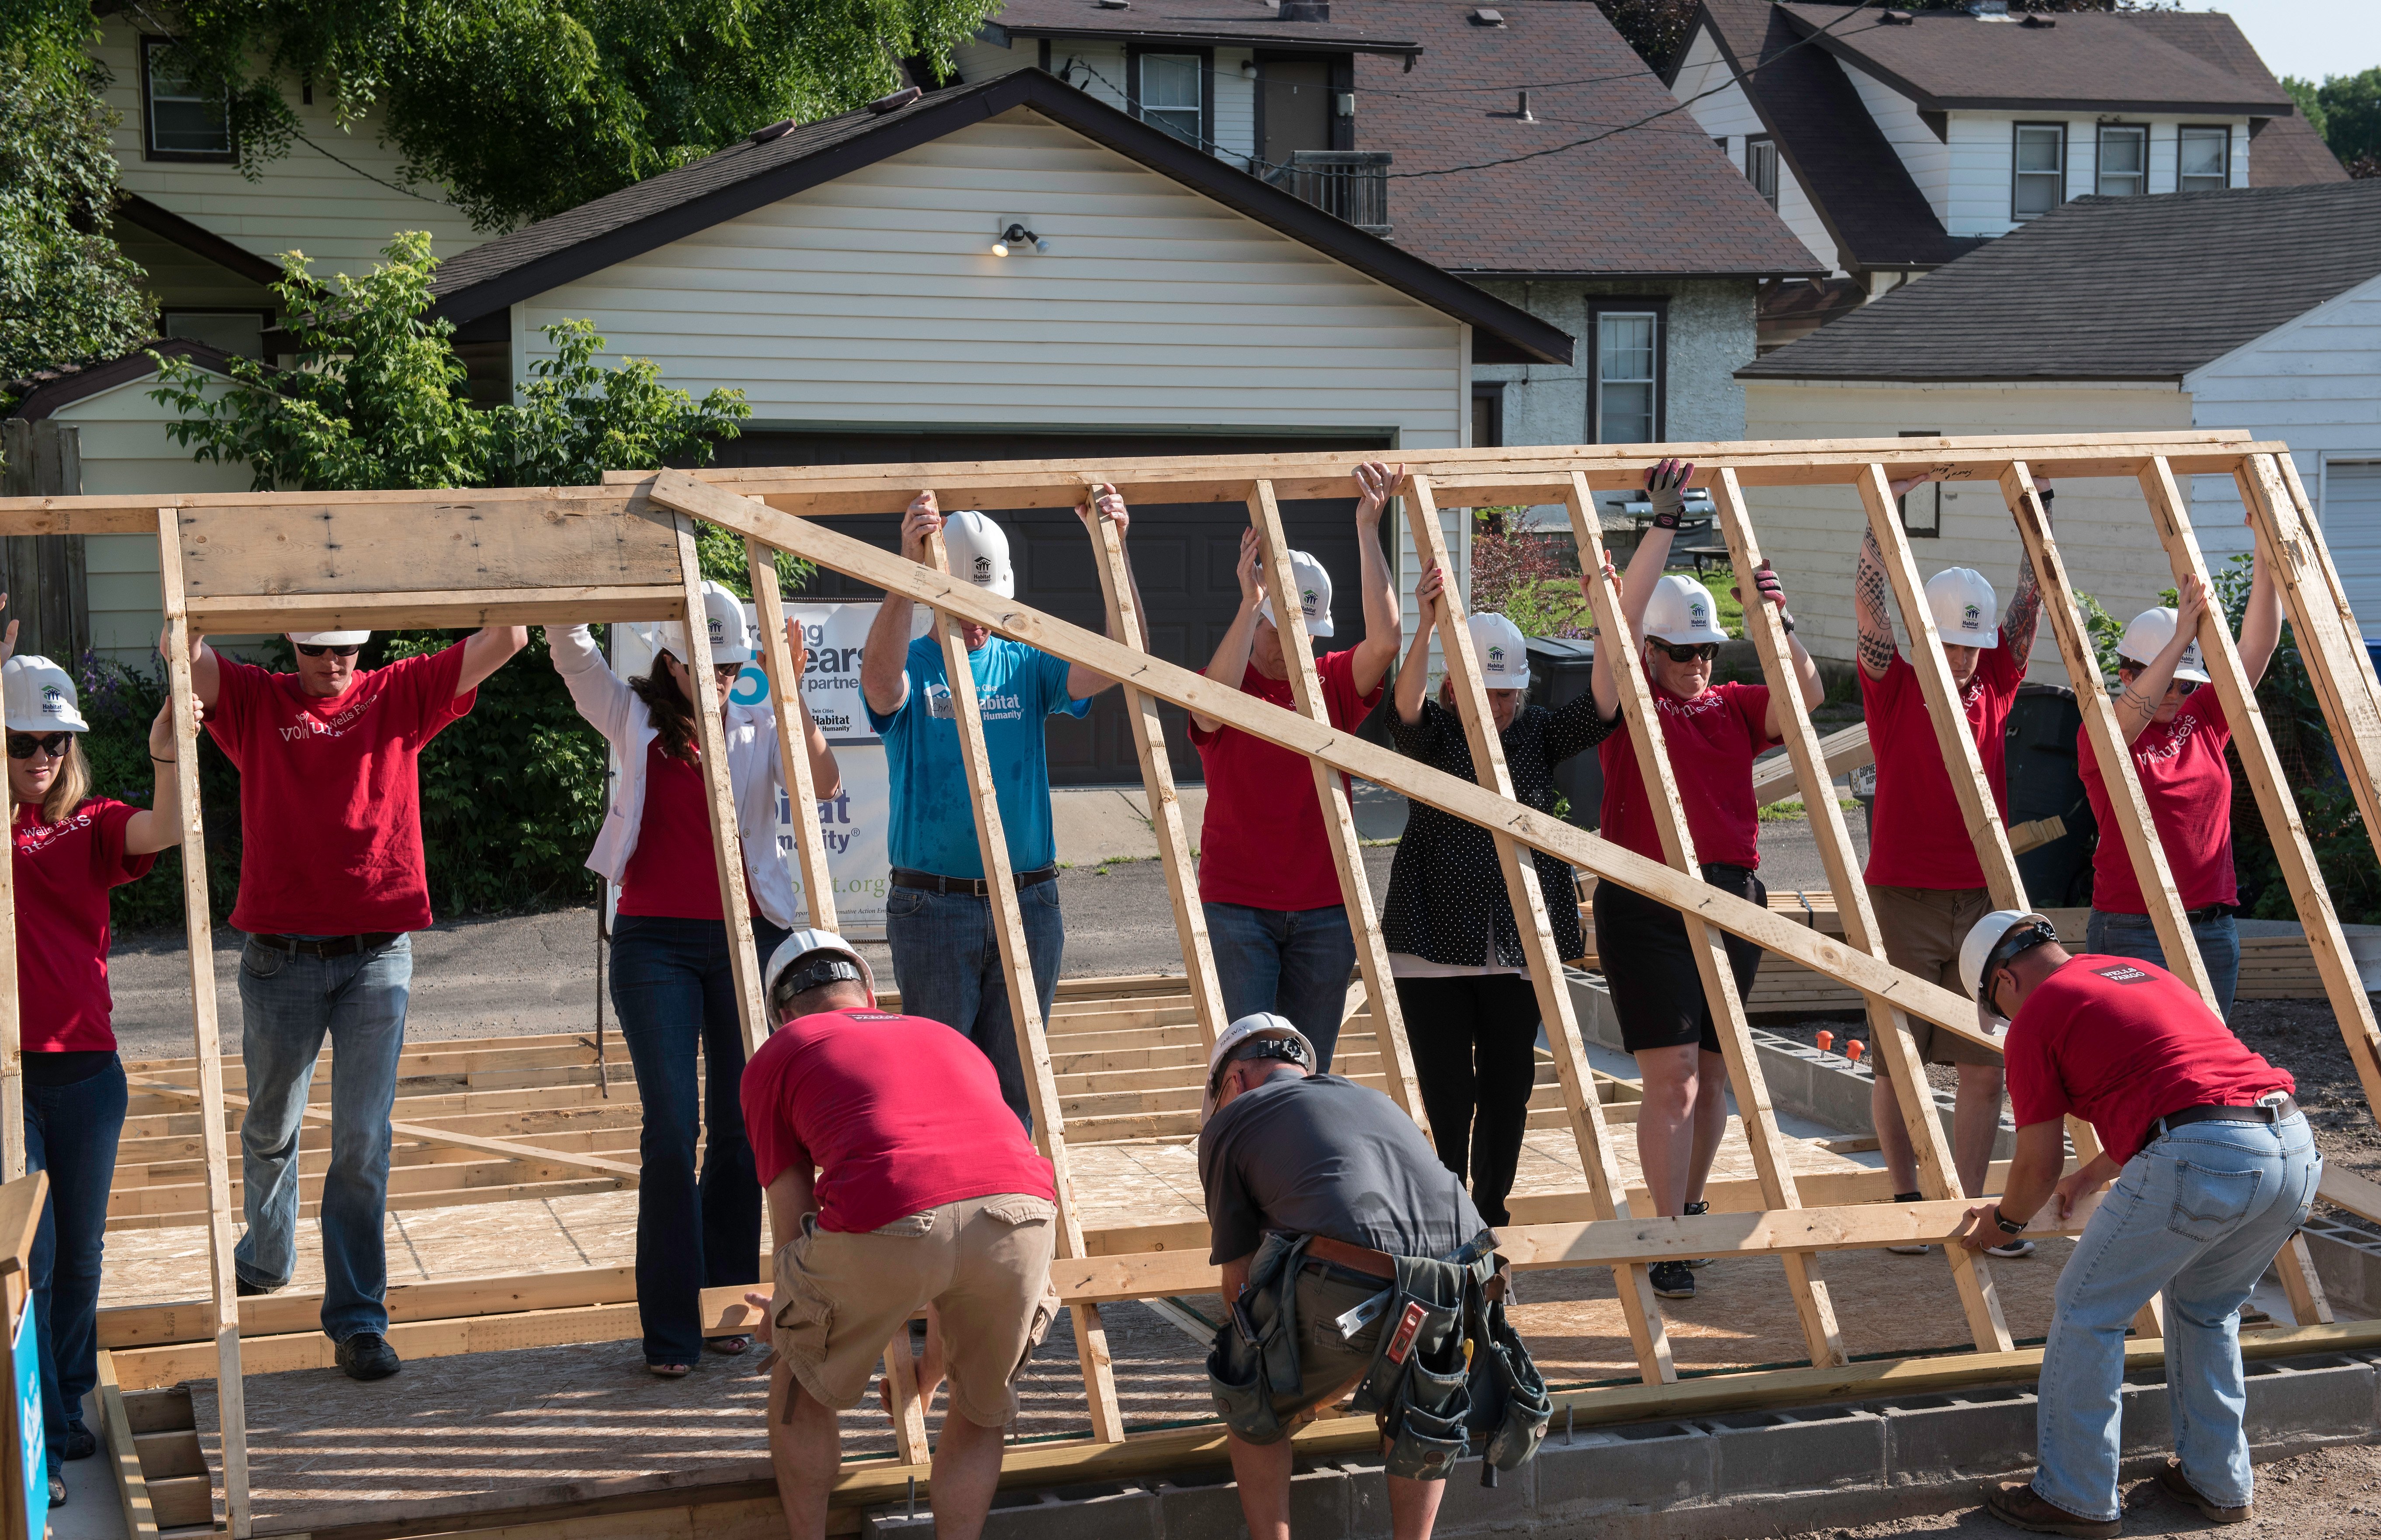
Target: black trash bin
2044 781
1560 671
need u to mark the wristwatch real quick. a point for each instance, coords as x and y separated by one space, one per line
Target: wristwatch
2007 1225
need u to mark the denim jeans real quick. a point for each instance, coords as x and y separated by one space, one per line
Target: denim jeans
288 1003
676 993
947 963
1294 963
2133 936
72 1133
2198 1214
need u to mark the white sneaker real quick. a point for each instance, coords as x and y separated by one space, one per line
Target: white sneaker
2012 1249
1910 1251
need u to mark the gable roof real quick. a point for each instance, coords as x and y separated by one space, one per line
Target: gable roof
2285 151
1244 23
2108 288
1862 193
52 390
1657 200
750 176
2085 61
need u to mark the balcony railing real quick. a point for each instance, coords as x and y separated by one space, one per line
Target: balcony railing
1352 185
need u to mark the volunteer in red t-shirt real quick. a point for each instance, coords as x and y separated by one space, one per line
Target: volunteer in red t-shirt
899 1181
1275 916
2215 1168
71 847
673 981
331 885
1924 882
2179 730
1710 734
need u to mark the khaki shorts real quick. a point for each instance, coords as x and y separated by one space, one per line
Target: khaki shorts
984 1264
1922 928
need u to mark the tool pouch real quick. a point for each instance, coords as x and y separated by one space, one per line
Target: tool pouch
1510 1408
1247 1370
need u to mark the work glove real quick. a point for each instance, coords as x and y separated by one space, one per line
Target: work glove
1665 489
1770 590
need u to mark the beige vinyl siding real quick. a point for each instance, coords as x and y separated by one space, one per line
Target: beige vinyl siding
1814 533
338 217
877 298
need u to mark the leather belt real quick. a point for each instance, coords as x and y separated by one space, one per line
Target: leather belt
2261 1113
330 946
1356 1259
974 887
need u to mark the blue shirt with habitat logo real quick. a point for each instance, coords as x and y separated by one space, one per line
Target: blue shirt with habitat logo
933 822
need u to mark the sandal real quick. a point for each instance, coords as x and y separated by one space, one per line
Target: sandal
729 1347
669 1370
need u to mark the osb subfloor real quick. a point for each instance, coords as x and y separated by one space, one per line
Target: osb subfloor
324 1447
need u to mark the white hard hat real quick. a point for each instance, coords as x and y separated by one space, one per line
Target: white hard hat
801 944
2146 637
1314 595
328 638
1681 612
979 550
1960 599
731 640
36 696
1985 939
1263 1024
1504 655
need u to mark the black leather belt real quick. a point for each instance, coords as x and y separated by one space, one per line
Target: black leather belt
2262 1112
2213 912
974 887
330 946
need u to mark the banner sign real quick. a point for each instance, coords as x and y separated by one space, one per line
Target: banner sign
33 1448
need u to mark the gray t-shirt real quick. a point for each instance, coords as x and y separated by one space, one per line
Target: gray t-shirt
1325 1156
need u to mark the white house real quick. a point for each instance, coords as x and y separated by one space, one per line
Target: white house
2257 309
1894 142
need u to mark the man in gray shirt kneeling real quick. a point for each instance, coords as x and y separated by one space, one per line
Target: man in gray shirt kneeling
1351 1259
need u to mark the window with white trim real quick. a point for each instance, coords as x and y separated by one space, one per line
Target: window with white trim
1170 95
1761 167
2202 159
183 121
2040 182
1626 358
2124 159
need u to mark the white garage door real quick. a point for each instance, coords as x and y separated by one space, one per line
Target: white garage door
2351 528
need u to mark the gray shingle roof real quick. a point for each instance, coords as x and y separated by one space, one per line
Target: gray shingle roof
2109 288
1249 23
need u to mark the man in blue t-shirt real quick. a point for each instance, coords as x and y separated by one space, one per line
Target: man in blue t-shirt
939 917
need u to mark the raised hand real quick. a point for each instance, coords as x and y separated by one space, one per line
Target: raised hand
2190 605
924 518
1427 589
1766 583
1666 488
1251 584
1377 483
8 638
1108 504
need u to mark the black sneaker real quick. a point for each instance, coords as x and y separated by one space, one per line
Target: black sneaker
57 1491
243 1288
79 1443
1672 1281
367 1355
1703 1206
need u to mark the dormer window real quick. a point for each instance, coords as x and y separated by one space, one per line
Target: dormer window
2040 183
1761 167
2124 159
2204 159
180 120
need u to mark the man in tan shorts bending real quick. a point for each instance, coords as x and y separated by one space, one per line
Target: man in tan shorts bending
927 1195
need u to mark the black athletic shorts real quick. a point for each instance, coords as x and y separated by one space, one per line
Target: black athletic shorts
1641 946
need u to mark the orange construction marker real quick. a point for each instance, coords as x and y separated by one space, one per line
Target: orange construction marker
1827 1039
1852 1050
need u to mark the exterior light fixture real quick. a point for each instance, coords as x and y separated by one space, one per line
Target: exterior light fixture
1015 235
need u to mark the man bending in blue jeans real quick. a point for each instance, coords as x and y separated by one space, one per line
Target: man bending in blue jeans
2214 1169
331 885
938 915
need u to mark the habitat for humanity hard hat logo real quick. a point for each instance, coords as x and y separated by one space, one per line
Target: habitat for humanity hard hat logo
1694 613
53 701
983 569
1308 599
1972 618
1496 658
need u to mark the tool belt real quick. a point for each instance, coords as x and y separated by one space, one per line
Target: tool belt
1449 1376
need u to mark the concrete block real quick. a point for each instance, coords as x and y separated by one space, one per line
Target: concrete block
2348 1259
1796 1450
1116 1511
2296 1399
2148 1418
1987 1431
1466 1508
1592 1003
1638 1466
1206 1505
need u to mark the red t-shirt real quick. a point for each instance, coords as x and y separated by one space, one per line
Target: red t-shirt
673 871
330 806
2119 1043
1918 836
898 1113
2189 788
63 872
1712 740
1264 846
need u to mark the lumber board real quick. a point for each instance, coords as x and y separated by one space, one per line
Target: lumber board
1847 749
461 609
124 1454
1342 751
207 1043
793 746
2345 1189
1939 1175
1583 1110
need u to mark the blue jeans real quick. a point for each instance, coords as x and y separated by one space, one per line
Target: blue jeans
2198 1214
288 1003
2133 936
676 993
1294 963
72 1133
947 963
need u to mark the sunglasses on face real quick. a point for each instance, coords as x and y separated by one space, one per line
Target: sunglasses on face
24 745
305 651
1690 651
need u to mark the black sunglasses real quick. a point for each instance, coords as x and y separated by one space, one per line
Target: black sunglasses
306 651
1688 653
24 745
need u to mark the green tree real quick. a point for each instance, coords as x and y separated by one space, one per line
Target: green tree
2345 110
67 295
523 108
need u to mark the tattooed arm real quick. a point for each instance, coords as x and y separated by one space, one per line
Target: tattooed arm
1869 607
2021 621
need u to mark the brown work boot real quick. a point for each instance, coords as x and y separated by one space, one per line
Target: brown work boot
2016 1504
2179 1488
